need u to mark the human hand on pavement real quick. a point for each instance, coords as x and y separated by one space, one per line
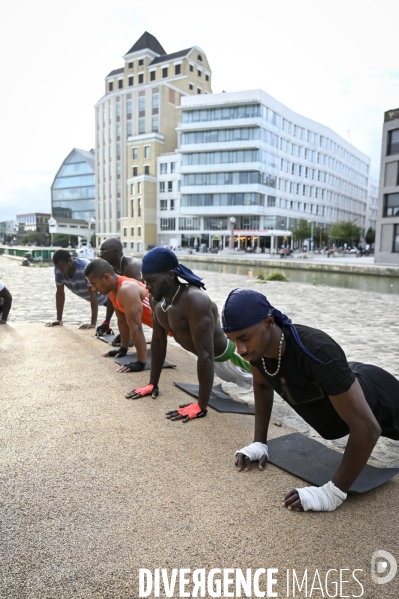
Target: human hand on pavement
186 412
87 326
54 323
149 389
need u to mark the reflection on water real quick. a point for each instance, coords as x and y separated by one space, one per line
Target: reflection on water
375 283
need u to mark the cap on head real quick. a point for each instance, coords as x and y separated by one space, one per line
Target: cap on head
159 260
243 308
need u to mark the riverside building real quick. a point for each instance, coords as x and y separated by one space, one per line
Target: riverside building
136 121
247 156
73 191
387 231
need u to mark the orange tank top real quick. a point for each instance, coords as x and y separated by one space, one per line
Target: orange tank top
114 296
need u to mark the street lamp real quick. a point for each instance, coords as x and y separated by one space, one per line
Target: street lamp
232 223
311 234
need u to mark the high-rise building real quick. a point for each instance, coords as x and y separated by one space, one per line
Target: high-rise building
387 232
73 190
136 121
372 204
246 155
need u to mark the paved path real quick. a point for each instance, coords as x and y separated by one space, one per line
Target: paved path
94 487
365 324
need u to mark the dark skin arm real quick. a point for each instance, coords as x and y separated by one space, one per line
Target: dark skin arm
263 393
364 433
159 342
202 328
130 297
59 302
7 297
110 310
94 310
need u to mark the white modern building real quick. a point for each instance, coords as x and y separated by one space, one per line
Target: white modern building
247 156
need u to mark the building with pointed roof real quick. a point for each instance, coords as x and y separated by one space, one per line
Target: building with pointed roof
136 121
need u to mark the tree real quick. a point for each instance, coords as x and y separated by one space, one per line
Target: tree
38 238
345 232
370 236
65 240
302 230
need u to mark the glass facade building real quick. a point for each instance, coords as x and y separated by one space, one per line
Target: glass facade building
73 188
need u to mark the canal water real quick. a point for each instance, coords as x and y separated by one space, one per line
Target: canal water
379 284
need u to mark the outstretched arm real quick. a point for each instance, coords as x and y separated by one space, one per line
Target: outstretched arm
364 433
59 302
263 393
94 310
133 305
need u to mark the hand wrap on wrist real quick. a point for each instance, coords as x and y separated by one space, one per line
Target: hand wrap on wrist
135 366
321 499
255 451
192 411
117 353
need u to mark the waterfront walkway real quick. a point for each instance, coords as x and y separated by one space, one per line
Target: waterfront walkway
95 486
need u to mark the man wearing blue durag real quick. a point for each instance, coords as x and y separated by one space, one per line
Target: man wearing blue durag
310 372
186 311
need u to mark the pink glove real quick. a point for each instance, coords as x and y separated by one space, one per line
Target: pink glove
192 411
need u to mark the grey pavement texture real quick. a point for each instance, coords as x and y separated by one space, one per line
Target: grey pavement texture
94 487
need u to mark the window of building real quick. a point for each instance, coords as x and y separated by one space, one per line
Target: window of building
132 208
129 109
168 224
130 80
170 185
139 207
135 171
129 128
190 86
131 231
132 245
172 204
163 168
118 170
124 231
155 102
199 73
152 75
138 231
110 86
206 77
396 239
135 153
191 68
146 169
146 152
391 204
120 83
173 167
177 69
138 186
198 90
130 65
165 72
199 57
131 188
141 62
161 186
141 126
393 142
141 78
163 204
155 124
118 151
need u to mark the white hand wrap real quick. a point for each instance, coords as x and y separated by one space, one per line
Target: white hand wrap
321 499
254 451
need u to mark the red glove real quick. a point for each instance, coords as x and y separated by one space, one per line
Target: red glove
149 389
192 411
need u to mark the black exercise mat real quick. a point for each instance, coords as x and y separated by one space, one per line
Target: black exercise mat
219 400
316 464
133 358
110 338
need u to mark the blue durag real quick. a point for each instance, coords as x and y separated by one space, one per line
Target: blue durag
160 260
245 307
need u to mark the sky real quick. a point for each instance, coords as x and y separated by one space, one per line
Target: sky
334 62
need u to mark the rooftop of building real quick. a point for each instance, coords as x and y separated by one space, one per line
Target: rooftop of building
70 221
391 115
147 42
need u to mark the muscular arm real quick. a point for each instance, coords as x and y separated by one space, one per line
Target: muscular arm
131 300
7 297
201 323
364 432
263 394
123 328
159 342
60 301
94 309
